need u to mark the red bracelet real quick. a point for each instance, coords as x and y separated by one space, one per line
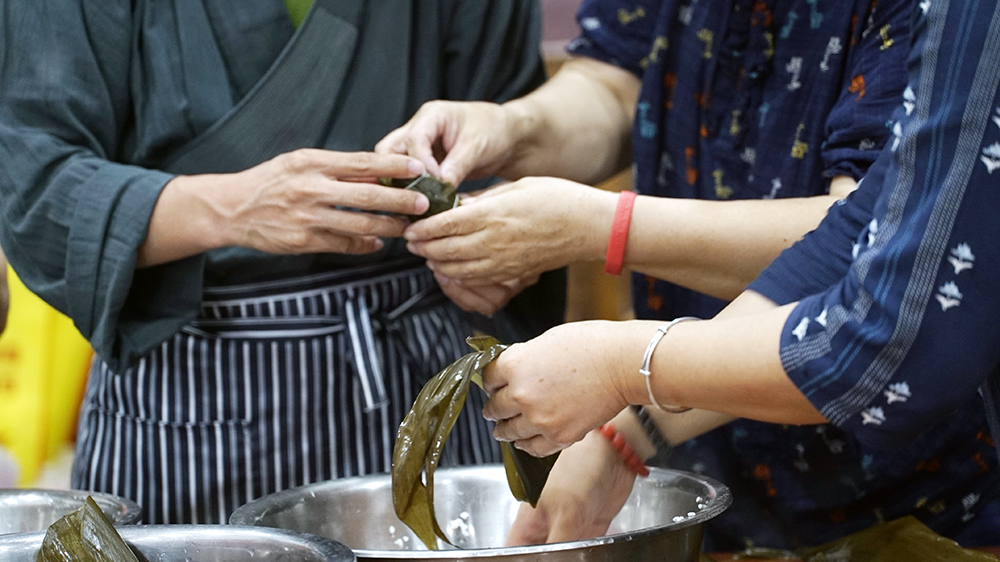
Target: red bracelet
619 233
632 460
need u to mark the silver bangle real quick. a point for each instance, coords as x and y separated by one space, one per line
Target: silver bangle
648 356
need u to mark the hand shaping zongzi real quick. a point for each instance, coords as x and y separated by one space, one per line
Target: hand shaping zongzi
421 439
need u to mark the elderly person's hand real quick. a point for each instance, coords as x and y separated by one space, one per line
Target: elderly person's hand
517 230
587 487
547 393
474 138
306 201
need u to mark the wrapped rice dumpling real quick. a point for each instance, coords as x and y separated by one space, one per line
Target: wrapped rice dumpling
441 194
421 439
86 535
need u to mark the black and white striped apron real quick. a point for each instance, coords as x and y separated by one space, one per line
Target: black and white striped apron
275 385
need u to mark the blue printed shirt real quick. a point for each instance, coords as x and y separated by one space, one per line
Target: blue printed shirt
770 99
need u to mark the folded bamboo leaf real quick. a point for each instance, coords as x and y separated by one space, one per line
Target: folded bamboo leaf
86 535
441 194
421 437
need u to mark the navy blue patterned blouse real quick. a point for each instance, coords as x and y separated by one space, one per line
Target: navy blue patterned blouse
761 99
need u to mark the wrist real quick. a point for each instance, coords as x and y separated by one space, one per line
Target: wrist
605 203
213 207
523 126
626 453
629 425
633 338
183 222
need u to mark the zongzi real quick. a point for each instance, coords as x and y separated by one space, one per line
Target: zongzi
421 437
86 535
442 195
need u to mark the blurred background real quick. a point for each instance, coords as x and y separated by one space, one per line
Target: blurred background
44 360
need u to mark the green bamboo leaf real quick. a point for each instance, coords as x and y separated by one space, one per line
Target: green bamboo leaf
422 435
86 535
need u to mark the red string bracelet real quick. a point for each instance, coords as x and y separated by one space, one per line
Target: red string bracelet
632 460
619 233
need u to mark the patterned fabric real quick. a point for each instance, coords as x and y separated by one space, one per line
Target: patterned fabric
749 99
770 98
904 333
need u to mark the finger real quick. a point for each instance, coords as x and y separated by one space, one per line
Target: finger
495 295
493 380
530 527
466 299
463 157
320 241
423 135
355 223
539 446
461 247
454 222
472 273
394 142
513 429
354 164
369 197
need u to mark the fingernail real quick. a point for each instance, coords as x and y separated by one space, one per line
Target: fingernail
409 235
422 204
415 167
446 174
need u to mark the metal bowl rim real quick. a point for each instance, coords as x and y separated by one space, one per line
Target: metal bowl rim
323 546
723 498
130 513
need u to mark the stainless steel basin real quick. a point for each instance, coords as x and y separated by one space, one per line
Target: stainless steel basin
202 543
662 520
33 510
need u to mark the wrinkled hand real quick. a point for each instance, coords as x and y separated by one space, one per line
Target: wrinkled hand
520 229
472 138
587 487
310 201
547 393
484 299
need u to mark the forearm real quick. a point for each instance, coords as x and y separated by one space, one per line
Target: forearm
677 428
727 365
576 126
716 247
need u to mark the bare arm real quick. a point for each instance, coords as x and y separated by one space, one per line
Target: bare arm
549 392
719 247
538 224
577 125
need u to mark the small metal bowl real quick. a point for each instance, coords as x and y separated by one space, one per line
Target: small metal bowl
202 543
663 519
24 510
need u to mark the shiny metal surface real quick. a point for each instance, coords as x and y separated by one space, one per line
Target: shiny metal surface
33 510
662 520
202 543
